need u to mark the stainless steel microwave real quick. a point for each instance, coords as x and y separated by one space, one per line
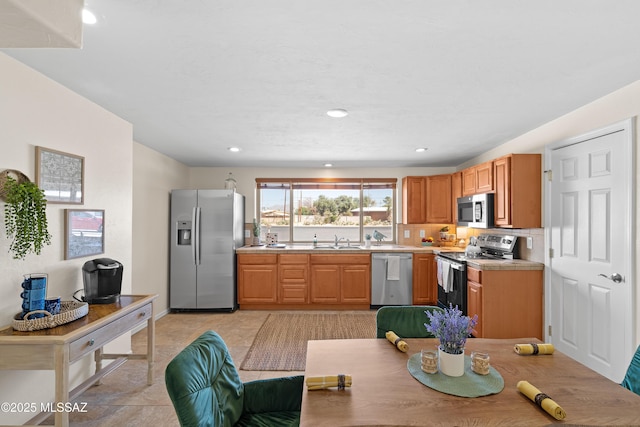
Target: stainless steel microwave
476 211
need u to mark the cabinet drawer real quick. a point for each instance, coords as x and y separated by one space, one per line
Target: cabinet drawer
257 259
294 259
295 273
474 275
103 335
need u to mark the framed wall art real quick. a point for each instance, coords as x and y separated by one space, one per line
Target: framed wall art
83 232
60 175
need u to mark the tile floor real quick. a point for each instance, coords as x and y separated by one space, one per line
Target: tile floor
124 399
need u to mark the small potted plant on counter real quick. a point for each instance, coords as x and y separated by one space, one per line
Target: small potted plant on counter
256 232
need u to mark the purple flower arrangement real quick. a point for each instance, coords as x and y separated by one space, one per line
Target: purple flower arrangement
451 327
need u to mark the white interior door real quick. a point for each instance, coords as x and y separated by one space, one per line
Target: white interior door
591 233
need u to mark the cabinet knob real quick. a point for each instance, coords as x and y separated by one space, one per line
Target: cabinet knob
91 342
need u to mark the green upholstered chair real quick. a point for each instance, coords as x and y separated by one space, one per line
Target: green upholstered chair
407 321
206 390
631 380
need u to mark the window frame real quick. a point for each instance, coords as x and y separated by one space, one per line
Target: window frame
291 183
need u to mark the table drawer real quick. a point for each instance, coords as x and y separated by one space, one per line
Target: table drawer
101 336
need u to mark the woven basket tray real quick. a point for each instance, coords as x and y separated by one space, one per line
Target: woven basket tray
69 311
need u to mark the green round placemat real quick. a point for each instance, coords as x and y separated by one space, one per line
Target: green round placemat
468 385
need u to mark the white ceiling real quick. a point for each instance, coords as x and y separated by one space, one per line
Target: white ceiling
457 77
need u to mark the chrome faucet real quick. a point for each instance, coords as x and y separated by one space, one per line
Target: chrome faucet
336 240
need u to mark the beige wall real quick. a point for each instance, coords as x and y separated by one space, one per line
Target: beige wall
154 176
35 111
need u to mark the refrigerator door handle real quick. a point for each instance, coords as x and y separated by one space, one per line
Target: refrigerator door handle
197 237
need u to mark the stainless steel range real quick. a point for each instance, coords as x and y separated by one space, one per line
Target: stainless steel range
452 267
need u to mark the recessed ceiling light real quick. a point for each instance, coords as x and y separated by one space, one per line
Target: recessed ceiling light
88 17
337 113
328 165
420 150
233 149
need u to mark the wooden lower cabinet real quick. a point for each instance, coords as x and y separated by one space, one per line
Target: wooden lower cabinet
425 281
509 303
280 281
341 279
257 279
474 305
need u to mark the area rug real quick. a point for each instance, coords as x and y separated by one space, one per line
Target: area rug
281 342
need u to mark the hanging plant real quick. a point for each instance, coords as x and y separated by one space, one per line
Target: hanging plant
25 217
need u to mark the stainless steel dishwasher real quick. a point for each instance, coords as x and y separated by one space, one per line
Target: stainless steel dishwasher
391 279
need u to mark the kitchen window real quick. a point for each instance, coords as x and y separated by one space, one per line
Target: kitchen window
299 209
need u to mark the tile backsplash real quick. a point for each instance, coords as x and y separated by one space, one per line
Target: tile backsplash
537 234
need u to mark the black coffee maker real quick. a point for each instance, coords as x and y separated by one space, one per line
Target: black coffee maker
102 279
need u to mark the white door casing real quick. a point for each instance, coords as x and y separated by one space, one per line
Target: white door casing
590 233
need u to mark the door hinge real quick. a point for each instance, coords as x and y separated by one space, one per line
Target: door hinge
549 330
549 173
550 252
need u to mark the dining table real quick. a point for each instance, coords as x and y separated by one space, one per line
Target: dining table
383 392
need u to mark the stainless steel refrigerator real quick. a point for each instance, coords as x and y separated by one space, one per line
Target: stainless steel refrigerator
206 228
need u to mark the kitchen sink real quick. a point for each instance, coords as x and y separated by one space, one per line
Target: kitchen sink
336 248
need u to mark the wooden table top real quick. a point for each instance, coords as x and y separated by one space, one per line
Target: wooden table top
98 315
385 393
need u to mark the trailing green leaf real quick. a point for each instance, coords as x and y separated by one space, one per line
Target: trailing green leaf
25 218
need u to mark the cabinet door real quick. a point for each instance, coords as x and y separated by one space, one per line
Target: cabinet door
502 198
356 284
456 191
414 195
484 177
257 283
325 283
474 305
469 181
438 199
425 291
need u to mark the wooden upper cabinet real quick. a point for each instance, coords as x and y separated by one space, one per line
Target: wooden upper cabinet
478 179
414 200
438 199
469 181
518 191
484 177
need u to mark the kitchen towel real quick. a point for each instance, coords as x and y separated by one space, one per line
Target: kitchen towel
439 268
533 348
393 268
447 277
542 400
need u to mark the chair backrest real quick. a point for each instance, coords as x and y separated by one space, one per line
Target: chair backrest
204 385
631 380
407 321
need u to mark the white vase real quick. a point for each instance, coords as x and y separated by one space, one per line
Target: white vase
451 364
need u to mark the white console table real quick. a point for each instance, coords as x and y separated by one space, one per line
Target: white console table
56 348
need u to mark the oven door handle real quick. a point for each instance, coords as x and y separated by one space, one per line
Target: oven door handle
459 267
454 265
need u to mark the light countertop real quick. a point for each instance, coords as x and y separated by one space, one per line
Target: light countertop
481 264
